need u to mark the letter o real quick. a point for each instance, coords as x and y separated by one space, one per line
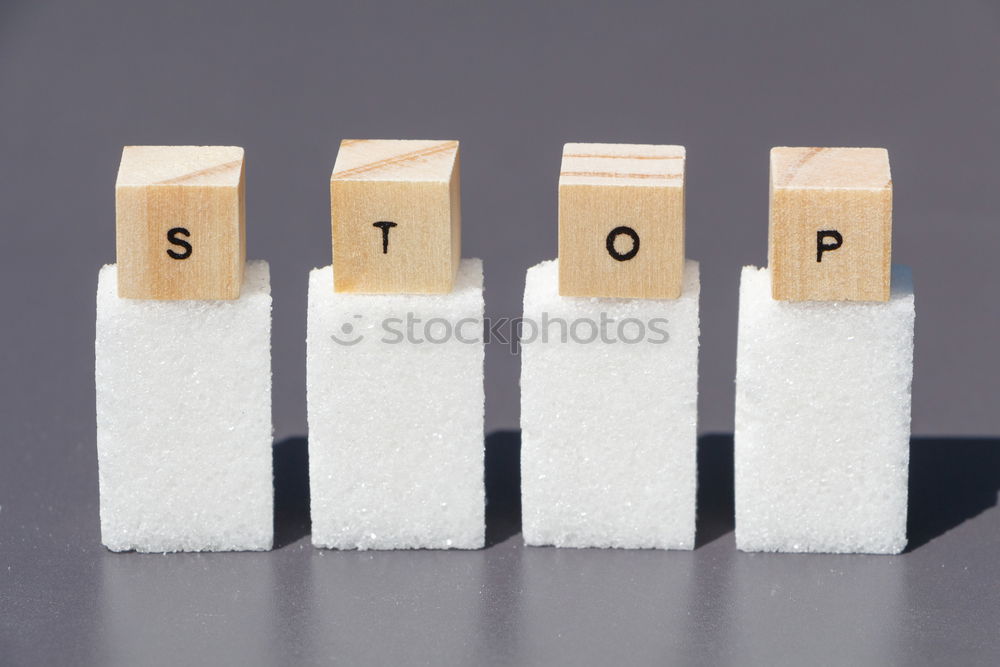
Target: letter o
622 231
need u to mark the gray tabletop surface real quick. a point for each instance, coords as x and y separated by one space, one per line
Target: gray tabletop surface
513 81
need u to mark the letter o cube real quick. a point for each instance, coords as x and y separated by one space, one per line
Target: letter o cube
621 221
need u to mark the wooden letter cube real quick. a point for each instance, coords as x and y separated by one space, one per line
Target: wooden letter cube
830 234
621 221
396 215
180 226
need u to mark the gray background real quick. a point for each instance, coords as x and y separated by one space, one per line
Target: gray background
513 82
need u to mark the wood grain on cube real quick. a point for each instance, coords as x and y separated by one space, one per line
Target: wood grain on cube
180 222
396 216
830 233
621 221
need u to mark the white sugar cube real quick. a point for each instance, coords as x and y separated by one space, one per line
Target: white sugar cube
396 416
823 420
184 419
609 425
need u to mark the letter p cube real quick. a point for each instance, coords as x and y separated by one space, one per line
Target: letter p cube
830 224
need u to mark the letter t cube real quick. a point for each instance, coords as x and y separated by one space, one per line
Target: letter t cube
396 216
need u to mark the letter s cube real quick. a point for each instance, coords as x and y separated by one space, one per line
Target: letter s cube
180 222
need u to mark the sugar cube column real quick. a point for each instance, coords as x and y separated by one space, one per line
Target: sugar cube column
395 357
825 363
609 359
183 360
